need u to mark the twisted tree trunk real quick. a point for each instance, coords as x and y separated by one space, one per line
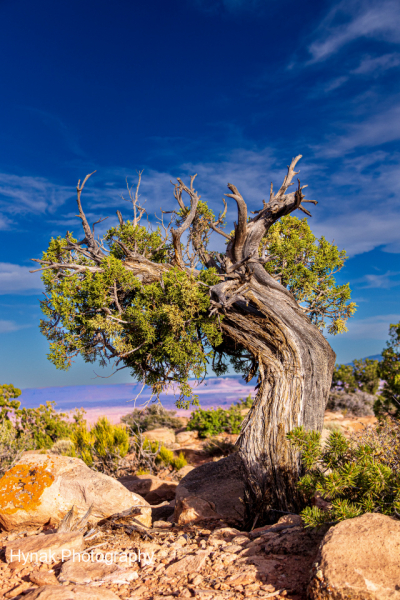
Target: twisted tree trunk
295 365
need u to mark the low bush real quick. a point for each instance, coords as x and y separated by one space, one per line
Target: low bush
12 445
179 461
168 458
361 375
359 404
214 421
102 446
215 447
355 476
151 417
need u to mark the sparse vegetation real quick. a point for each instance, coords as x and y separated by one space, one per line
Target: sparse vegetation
101 446
358 404
151 417
355 476
214 421
361 375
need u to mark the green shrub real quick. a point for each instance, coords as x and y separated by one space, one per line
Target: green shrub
151 445
151 417
179 461
212 422
44 423
165 455
8 393
246 403
64 448
355 475
12 445
361 375
101 446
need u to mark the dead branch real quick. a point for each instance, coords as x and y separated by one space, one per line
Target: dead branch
240 229
177 233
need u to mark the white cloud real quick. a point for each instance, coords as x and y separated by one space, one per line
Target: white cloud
371 328
9 326
25 194
380 63
373 19
382 281
375 130
15 279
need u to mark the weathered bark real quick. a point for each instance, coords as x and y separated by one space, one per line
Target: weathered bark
295 365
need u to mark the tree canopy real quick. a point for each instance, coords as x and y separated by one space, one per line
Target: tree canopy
361 375
389 370
141 298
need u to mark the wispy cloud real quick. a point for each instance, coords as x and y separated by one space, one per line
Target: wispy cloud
374 130
10 326
378 64
16 279
371 328
26 194
382 281
371 19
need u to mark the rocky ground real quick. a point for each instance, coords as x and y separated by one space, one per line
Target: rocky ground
183 538
201 560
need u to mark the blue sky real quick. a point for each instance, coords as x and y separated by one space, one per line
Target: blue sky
228 89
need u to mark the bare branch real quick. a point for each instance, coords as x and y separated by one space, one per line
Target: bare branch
89 236
120 219
288 179
240 232
177 233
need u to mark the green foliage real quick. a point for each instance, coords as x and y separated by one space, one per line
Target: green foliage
45 424
7 401
102 445
355 476
12 445
361 375
246 403
215 421
389 371
306 266
137 238
166 456
179 461
151 417
162 331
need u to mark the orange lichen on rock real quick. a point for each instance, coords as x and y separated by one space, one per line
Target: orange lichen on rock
22 487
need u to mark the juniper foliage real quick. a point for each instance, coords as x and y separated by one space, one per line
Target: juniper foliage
355 476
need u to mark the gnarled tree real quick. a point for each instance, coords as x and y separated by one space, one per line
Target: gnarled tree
167 308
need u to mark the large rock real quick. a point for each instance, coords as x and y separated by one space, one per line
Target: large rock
163 435
41 488
153 489
45 548
359 559
76 592
185 437
211 491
